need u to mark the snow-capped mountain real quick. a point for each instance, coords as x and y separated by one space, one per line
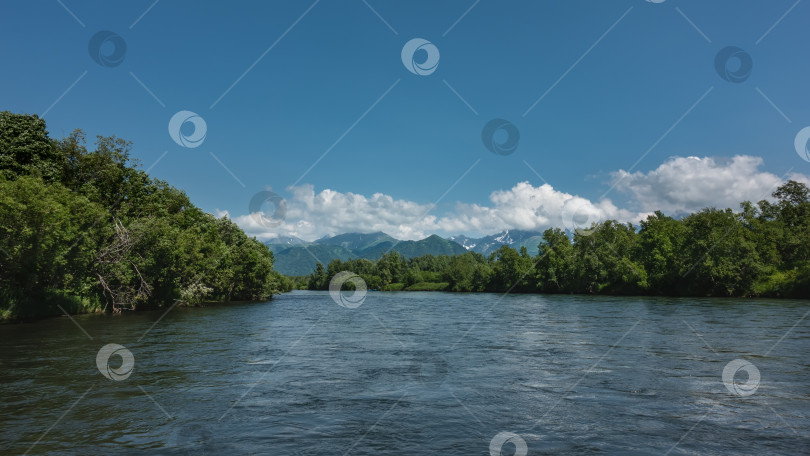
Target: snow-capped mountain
283 242
464 241
513 238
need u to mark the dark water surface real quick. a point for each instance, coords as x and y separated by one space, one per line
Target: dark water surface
415 374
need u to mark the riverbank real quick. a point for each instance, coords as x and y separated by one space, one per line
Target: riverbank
75 306
445 287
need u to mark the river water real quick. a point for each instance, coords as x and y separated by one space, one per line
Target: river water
415 373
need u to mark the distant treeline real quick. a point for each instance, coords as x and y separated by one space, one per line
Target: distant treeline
763 250
86 230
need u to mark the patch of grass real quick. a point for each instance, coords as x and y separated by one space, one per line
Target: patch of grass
46 305
428 286
793 283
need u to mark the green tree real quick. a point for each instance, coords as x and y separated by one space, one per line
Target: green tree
605 260
48 242
86 229
721 259
555 263
26 149
661 241
317 280
511 271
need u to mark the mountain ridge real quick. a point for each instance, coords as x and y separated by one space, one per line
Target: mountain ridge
294 256
513 238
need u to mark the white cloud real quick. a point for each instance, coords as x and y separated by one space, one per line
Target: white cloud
526 207
678 185
687 184
312 215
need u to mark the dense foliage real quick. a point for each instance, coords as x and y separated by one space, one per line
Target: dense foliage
762 250
86 230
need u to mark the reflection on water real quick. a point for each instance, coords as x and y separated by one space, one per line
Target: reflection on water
414 373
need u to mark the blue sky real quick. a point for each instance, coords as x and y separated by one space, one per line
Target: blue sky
619 77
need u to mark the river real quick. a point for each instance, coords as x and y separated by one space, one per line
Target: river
414 373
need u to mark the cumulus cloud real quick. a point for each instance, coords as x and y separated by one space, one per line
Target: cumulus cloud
312 215
526 207
679 185
687 184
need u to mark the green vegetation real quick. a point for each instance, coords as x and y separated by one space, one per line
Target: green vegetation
428 286
297 261
88 231
763 250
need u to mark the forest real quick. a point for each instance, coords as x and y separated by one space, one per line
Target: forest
761 250
87 230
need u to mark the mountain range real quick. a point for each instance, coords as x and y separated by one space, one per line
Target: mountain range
296 256
513 238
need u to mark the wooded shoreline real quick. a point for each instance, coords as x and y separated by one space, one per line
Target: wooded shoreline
88 231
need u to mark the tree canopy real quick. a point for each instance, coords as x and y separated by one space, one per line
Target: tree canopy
87 230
